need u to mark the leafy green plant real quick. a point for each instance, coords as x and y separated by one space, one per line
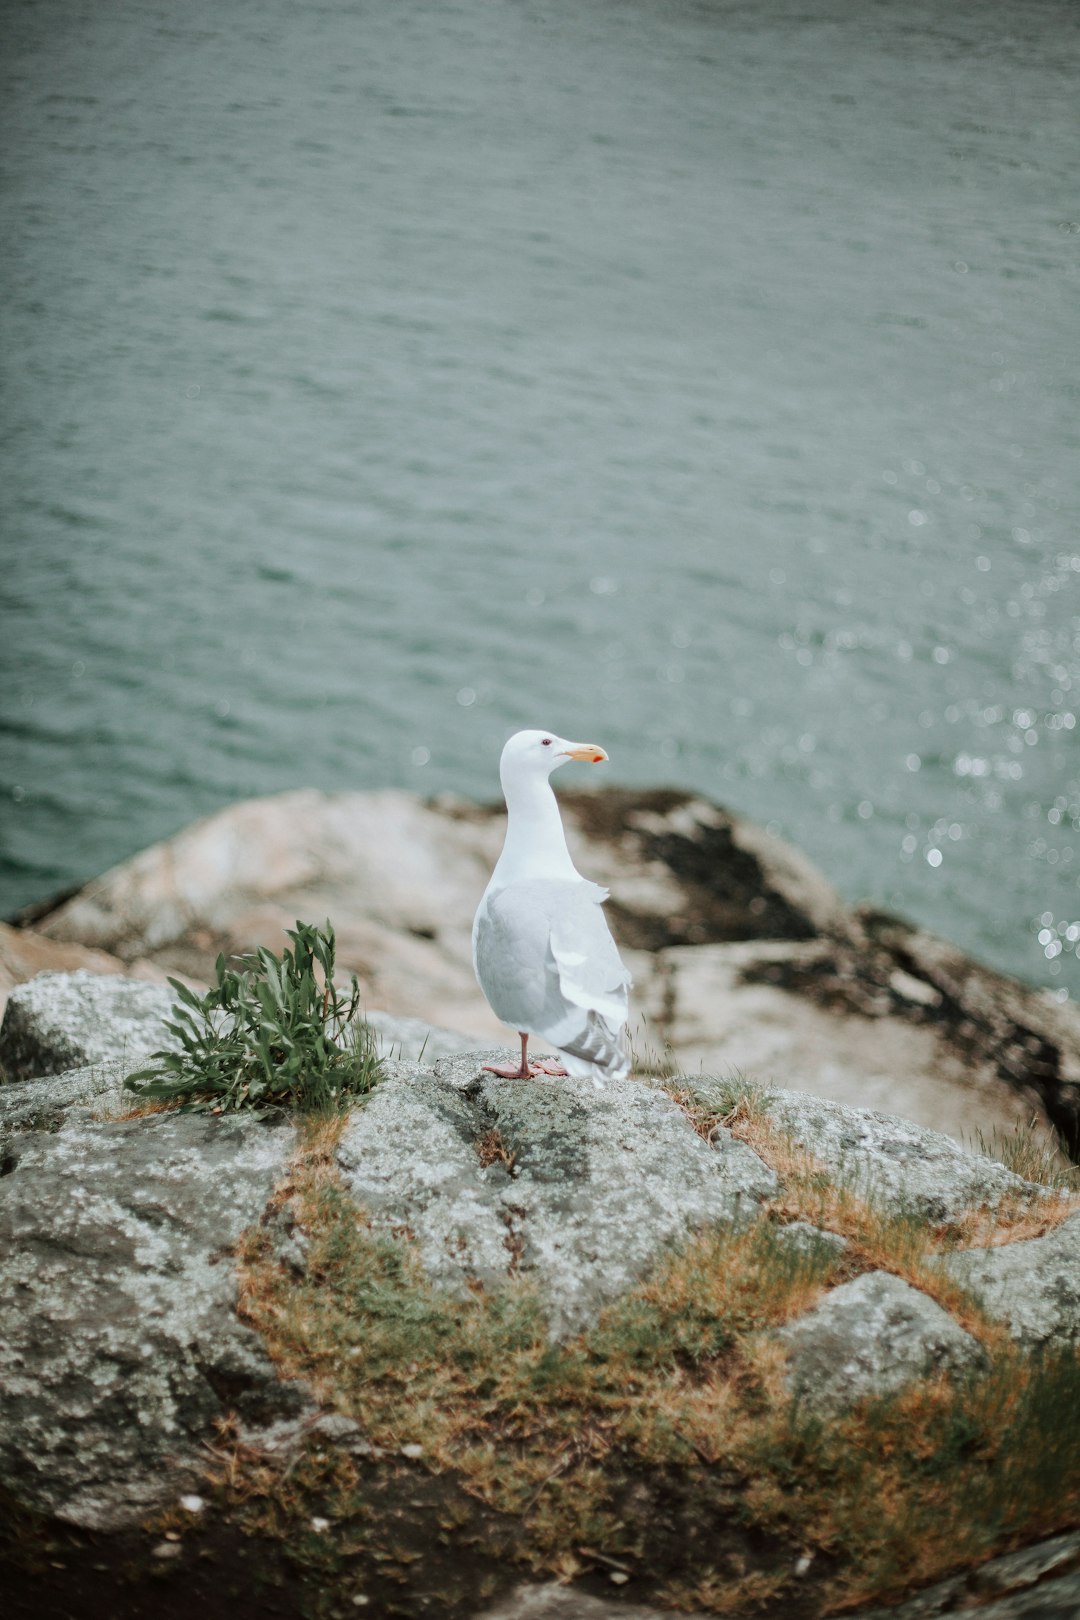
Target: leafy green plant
274 1032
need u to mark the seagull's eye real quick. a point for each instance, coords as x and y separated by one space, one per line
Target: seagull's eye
546 743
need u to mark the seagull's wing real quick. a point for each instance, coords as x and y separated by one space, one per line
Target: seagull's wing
547 963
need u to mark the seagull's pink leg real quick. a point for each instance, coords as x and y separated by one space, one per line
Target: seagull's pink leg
506 1071
527 1070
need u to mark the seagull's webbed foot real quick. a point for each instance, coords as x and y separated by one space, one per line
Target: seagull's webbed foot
525 1070
507 1071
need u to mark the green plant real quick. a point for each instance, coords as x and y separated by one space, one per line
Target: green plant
274 1032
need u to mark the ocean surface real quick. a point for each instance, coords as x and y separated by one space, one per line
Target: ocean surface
696 379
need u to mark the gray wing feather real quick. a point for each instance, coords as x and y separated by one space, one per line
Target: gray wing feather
547 963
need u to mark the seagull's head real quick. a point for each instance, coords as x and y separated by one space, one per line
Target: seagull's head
538 753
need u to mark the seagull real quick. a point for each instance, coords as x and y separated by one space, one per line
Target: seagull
543 954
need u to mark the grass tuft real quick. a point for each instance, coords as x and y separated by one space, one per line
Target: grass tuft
1031 1151
650 1056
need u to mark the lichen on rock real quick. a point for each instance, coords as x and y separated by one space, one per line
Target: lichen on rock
121 1343
62 1021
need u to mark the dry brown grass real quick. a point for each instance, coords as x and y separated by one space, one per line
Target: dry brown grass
726 1591
676 1398
877 1239
141 1110
491 1149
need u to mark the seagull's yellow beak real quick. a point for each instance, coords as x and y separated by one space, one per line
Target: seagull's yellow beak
587 751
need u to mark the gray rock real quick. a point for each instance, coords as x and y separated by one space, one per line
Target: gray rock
410 1158
805 1238
1038 1583
601 1181
43 1105
870 1337
1033 1286
63 1021
904 1166
555 1602
335 1426
121 1342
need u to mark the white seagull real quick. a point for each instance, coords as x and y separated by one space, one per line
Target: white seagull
542 951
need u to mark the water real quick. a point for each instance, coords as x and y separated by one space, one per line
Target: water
698 379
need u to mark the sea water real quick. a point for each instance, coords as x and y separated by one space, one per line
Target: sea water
698 379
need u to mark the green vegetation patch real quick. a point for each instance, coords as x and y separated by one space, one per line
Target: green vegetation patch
273 1033
663 1445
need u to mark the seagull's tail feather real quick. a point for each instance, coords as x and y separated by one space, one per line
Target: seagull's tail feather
595 1052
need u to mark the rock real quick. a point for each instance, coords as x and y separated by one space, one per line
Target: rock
63 1021
871 1336
109 1024
1031 1039
743 956
807 1239
1033 1286
42 1105
121 1343
904 1166
335 1426
757 1007
599 1182
24 953
553 1601
1038 1583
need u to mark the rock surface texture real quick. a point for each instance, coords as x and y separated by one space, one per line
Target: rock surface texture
903 1166
61 1021
42 1105
583 1189
121 1342
871 1336
743 956
1034 1287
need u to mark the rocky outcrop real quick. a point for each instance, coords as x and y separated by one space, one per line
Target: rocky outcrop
64 1021
583 1189
902 1166
121 1344
743 955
